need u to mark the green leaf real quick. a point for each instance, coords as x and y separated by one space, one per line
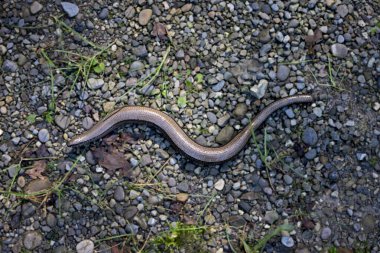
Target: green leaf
51 106
189 84
31 118
48 117
247 248
199 78
99 68
182 102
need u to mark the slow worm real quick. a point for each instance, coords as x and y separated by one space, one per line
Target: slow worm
177 136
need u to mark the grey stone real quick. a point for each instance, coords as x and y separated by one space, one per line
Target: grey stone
183 187
180 54
219 86
119 193
342 10
62 121
152 222
35 7
130 12
279 37
288 179
240 110
325 233
43 135
212 117
283 72
103 13
95 83
264 36
71 9
287 241
140 51
271 216
136 66
162 153
225 135
219 185
339 50
51 220
361 156
310 136
289 112
87 123
265 49
10 66
311 154
146 160
130 212
237 221
317 111
28 210
85 246
222 121
133 194
172 182
144 16
21 60
16 140
245 206
32 240
12 170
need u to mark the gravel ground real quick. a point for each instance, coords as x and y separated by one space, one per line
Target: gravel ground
65 65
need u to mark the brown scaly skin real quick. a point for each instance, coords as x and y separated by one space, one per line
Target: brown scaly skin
177 136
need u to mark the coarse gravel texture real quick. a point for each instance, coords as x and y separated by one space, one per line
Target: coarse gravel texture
227 61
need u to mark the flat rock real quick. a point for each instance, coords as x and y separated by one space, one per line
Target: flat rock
240 110
10 66
95 83
35 7
32 240
326 233
339 50
145 16
310 136
108 106
43 135
71 9
146 160
283 72
219 185
236 221
136 66
182 197
271 216
85 246
225 135
342 10
130 212
62 121
119 193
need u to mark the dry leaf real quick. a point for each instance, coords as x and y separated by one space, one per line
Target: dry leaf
37 169
128 138
159 30
112 160
115 249
110 139
42 151
313 39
